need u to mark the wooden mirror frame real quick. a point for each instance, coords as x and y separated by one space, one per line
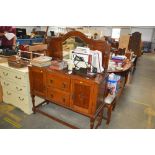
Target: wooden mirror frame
55 48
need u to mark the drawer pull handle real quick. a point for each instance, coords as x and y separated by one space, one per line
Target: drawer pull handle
81 82
51 95
63 100
51 81
41 71
6 84
8 93
19 89
5 74
21 99
63 85
73 96
19 78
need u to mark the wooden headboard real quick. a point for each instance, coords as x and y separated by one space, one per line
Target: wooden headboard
55 48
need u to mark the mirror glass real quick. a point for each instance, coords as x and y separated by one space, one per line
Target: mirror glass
70 44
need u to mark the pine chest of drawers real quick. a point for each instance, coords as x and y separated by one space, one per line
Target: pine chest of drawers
15 86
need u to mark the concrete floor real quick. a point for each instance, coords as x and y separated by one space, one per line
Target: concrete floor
135 108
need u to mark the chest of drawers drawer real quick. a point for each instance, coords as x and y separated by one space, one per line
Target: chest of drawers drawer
19 78
14 76
18 100
58 96
58 81
5 74
8 96
21 89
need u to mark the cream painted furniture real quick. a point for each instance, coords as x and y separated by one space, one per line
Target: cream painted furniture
124 41
15 86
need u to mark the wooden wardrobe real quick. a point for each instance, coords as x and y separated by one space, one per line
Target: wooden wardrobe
135 43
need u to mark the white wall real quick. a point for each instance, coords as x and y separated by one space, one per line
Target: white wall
107 31
146 33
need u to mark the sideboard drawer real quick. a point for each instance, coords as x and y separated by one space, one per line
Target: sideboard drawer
58 96
58 81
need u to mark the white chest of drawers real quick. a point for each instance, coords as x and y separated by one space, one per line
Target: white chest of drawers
15 86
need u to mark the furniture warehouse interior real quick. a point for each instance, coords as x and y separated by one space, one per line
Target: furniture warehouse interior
77 77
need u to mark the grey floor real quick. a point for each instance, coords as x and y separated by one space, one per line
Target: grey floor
135 108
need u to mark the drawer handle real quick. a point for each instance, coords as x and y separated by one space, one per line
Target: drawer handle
21 99
51 81
19 89
64 100
8 93
6 84
73 96
51 95
19 78
5 74
63 85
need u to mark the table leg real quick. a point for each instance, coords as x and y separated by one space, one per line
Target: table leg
100 118
33 103
109 110
92 122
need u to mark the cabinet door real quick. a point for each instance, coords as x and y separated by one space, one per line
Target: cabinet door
37 81
81 100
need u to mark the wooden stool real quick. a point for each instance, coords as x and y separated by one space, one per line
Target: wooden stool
110 107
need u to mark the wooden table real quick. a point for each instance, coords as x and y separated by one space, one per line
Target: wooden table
124 72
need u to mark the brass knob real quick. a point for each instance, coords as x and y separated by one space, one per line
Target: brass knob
63 85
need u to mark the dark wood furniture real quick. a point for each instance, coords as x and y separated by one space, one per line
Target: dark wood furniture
124 72
55 49
135 43
74 92
78 93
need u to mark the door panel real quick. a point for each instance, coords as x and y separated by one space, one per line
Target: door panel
37 81
81 96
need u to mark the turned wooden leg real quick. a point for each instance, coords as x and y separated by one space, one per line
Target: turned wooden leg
108 115
33 103
126 77
47 101
100 118
92 123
